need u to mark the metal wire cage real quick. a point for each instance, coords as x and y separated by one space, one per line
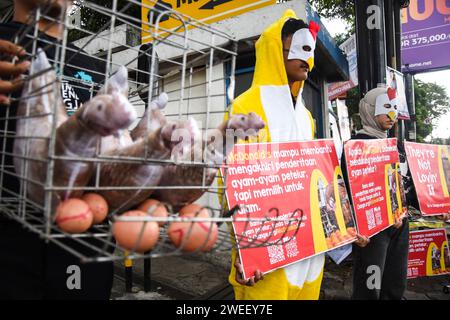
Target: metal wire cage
192 64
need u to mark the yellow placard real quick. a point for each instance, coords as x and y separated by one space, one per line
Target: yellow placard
206 11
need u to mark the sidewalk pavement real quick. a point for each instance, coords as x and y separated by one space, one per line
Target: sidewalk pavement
200 277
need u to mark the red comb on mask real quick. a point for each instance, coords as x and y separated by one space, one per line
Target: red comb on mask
314 29
391 93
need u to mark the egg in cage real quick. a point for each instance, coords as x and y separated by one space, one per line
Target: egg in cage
151 125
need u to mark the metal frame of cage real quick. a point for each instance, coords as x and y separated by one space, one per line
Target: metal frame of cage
25 211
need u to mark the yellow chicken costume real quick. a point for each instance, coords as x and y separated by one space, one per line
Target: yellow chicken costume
270 97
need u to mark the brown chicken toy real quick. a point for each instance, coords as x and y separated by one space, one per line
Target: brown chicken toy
141 177
157 118
77 136
239 126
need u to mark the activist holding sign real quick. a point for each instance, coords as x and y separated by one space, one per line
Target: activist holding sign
31 267
387 251
284 56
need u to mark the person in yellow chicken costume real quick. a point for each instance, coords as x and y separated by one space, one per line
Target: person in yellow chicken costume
284 56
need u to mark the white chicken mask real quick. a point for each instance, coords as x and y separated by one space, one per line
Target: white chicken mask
387 104
304 43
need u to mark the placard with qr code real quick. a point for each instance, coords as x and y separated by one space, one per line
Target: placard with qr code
376 184
297 191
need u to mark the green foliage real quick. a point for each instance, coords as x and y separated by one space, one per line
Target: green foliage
352 100
440 141
95 21
432 102
336 9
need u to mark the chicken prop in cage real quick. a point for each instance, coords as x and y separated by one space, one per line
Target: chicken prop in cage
218 146
76 137
157 145
219 143
179 141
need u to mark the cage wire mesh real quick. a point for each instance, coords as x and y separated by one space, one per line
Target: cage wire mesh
190 75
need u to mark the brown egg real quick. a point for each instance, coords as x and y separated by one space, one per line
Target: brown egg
195 210
351 231
329 243
335 239
348 236
127 233
74 216
157 209
98 205
340 236
193 236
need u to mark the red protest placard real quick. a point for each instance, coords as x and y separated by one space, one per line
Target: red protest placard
287 181
428 253
430 169
375 183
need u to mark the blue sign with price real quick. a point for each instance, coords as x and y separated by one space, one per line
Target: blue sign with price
426 36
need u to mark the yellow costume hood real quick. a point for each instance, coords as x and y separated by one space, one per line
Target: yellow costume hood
269 68
270 95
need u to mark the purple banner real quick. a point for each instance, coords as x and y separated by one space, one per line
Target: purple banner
426 36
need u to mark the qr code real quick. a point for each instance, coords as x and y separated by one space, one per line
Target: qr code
291 248
276 254
378 218
370 219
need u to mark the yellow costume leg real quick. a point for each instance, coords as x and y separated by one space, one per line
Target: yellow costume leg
310 290
275 286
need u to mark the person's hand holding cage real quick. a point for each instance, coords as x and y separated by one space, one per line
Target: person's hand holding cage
10 72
